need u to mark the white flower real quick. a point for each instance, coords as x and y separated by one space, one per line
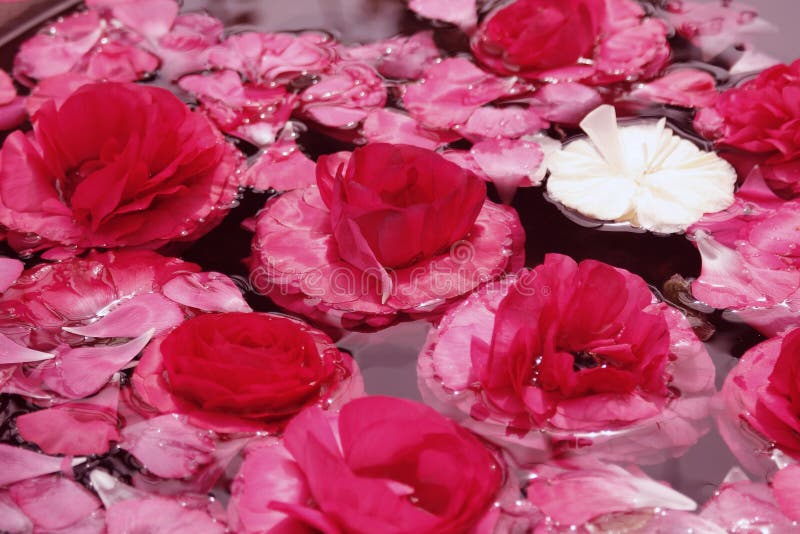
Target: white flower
641 173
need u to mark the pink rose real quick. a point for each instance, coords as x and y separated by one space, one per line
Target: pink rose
438 478
759 118
140 170
439 238
542 362
761 396
599 41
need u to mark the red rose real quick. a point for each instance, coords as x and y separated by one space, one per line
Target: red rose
365 471
761 117
598 41
235 372
391 230
397 204
550 358
116 165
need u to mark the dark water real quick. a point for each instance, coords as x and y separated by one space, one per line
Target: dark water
388 358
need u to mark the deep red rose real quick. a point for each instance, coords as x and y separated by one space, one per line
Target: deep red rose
243 371
543 34
392 231
596 41
365 471
117 165
762 117
397 203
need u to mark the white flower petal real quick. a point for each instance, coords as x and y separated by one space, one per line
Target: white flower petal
642 173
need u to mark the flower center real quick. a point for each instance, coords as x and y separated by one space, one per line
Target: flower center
583 359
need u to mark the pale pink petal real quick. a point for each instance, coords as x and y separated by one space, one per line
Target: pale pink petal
786 485
134 317
462 13
691 88
594 489
509 164
21 464
402 57
10 269
267 470
79 372
11 352
74 428
206 291
451 91
57 51
12 519
111 490
158 515
390 126
281 166
566 103
490 122
745 506
54 502
168 446
152 18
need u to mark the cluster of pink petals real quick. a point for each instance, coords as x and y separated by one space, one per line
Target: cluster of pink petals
439 478
119 41
750 259
462 374
57 320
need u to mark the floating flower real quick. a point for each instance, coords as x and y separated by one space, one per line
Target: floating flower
596 41
761 118
59 319
240 372
439 478
140 170
640 173
761 396
391 231
570 357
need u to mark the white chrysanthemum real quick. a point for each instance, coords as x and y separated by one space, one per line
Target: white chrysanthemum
641 173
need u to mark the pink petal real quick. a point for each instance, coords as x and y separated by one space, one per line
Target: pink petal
75 428
79 372
508 163
786 485
281 166
462 13
11 352
567 103
55 88
206 291
54 502
389 126
152 18
12 519
268 469
490 122
683 87
22 464
168 446
13 114
158 515
134 317
10 269
451 91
